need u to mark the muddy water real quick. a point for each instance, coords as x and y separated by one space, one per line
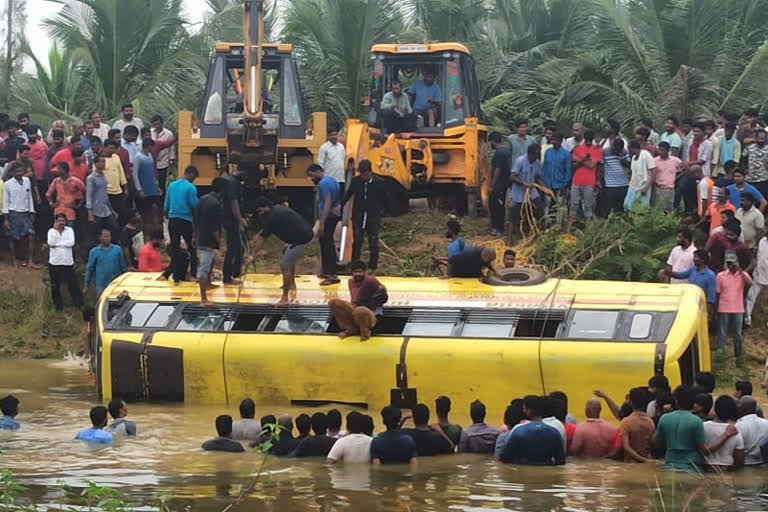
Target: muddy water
166 458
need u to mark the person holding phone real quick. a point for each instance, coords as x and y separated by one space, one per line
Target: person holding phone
731 284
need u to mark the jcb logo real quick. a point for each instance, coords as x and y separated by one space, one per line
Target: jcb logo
388 166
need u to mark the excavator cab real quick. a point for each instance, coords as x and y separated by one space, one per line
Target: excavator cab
453 75
251 118
439 150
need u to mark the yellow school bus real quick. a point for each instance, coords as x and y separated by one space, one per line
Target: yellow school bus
463 338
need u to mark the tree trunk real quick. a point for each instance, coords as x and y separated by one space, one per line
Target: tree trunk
6 92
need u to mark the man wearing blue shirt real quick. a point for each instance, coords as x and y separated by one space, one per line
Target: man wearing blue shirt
180 205
9 406
525 172
739 186
328 215
556 171
426 98
105 262
700 275
534 443
96 434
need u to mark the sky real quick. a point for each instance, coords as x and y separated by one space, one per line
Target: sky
37 10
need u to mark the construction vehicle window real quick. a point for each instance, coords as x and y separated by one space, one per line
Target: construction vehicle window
291 103
214 107
453 96
270 98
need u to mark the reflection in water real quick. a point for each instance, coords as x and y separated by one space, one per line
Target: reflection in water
166 457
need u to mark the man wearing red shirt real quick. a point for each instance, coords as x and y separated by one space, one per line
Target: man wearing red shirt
38 153
149 255
357 316
585 157
73 157
728 240
66 194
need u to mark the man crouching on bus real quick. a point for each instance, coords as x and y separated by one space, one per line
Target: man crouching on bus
368 296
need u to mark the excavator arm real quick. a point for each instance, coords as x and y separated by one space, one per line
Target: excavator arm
253 31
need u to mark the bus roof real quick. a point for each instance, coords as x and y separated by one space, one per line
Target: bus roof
403 49
426 292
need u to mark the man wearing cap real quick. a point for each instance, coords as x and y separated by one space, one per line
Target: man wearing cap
730 286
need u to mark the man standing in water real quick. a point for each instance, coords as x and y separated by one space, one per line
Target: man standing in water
224 442
9 406
96 433
121 426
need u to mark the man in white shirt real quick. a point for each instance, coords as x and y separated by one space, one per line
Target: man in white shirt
332 156
752 430
127 120
355 447
751 219
19 211
576 139
247 428
681 257
165 156
61 264
101 130
759 277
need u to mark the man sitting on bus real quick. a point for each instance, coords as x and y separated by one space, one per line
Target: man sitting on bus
426 98
396 110
359 315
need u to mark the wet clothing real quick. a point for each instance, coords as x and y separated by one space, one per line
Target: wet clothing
8 423
535 444
429 443
315 446
393 447
122 427
247 429
95 436
478 438
223 444
683 433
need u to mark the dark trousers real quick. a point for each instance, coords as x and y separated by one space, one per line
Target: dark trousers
497 210
327 247
761 186
178 229
372 230
118 202
103 222
60 274
162 177
395 123
685 191
614 199
233 260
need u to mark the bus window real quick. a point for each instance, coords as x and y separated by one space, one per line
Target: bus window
481 330
295 323
160 316
593 325
199 319
138 314
427 322
640 328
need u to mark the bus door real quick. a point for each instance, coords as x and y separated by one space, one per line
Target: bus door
282 356
610 351
473 354
162 356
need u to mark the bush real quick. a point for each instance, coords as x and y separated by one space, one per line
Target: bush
622 247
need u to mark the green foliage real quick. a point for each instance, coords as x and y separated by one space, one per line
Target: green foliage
627 247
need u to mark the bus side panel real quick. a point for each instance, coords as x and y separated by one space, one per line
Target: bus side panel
276 369
202 370
492 371
115 371
578 368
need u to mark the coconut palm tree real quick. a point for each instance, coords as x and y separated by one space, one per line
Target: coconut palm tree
130 51
332 40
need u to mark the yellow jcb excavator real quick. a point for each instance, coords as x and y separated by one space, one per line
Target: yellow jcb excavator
252 118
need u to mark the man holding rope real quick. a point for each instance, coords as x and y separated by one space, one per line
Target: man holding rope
527 203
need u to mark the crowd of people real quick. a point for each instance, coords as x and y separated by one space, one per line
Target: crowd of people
689 429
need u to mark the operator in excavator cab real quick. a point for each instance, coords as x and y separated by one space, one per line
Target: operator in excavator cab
426 98
396 110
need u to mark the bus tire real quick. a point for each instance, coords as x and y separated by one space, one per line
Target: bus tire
517 276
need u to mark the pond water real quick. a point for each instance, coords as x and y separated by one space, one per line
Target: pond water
166 458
